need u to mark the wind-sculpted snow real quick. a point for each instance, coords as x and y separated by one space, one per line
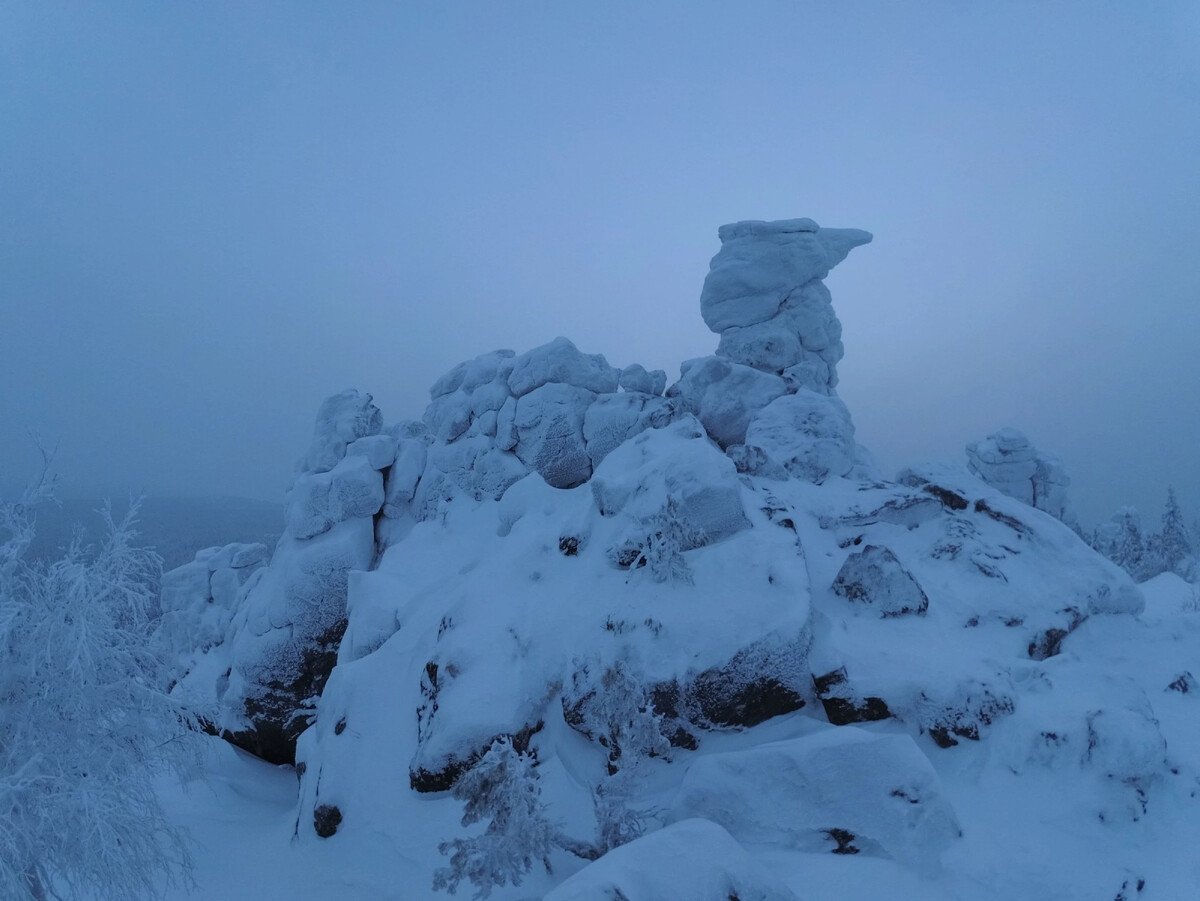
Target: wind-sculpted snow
661 603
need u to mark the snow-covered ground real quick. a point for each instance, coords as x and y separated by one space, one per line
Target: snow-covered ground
1026 835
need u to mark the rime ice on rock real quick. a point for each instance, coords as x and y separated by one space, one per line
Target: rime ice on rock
198 598
1009 463
282 638
765 297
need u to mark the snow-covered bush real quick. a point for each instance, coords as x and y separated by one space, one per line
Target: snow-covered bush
616 711
84 722
502 787
667 536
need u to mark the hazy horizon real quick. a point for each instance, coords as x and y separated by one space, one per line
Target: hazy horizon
212 217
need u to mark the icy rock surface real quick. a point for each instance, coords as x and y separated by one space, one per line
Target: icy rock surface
341 420
876 793
875 578
1009 463
280 637
765 298
198 599
694 859
804 435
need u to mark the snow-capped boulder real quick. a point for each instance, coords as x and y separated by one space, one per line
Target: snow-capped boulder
549 424
636 378
341 420
379 450
471 374
725 395
761 262
612 419
197 600
838 788
694 859
561 362
1008 462
281 634
804 435
320 500
283 638
874 577
677 462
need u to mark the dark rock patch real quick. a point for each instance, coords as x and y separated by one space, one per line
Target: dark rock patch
965 719
1184 683
326 819
982 506
842 708
951 499
844 840
277 713
427 781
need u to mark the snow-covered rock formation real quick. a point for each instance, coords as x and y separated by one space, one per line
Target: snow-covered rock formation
280 643
682 594
1009 463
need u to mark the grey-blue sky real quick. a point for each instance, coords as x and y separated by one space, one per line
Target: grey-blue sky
213 215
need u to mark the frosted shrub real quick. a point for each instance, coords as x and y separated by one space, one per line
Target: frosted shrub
503 788
667 536
618 821
617 711
84 724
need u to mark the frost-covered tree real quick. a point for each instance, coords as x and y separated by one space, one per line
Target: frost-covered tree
1174 541
618 819
667 536
84 723
617 712
1121 541
502 788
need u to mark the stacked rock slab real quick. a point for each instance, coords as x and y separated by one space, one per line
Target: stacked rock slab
768 394
1008 462
492 420
198 599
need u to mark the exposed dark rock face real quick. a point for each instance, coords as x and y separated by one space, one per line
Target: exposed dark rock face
979 706
277 711
874 576
845 841
1048 642
842 707
746 704
951 499
1184 683
443 779
326 819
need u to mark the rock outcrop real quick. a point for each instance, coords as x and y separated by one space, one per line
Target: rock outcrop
1010 464
280 643
613 574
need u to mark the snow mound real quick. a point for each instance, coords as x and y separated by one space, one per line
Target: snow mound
846 789
694 859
